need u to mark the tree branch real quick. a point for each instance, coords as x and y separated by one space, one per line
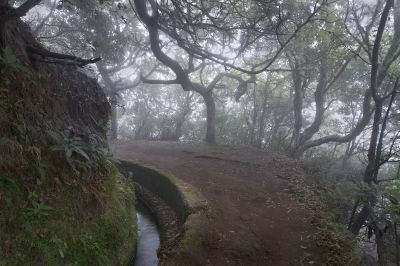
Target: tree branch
375 82
200 53
71 59
19 11
157 81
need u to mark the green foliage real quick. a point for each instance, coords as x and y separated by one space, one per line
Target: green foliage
66 231
39 208
79 153
10 187
41 167
61 245
69 145
388 214
3 140
11 65
12 62
338 190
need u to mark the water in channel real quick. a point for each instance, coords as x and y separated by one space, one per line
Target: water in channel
148 238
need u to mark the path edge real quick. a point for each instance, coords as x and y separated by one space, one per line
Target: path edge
192 209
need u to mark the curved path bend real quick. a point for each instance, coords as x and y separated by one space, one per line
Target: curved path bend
262 208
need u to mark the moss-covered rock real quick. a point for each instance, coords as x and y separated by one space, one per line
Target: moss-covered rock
64 231
61 200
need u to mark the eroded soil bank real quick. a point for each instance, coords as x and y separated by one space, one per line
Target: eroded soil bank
262 208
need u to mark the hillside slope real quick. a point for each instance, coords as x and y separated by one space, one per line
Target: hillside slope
61 201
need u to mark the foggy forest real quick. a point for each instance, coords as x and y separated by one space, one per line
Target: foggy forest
200 132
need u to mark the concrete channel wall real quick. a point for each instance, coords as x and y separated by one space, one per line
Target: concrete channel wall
191 208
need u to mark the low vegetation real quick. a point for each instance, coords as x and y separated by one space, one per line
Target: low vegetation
67 223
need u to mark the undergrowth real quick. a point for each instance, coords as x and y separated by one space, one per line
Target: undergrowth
339 243
336 196
76 227
61 200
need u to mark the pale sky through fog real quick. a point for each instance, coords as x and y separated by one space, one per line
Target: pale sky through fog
370 2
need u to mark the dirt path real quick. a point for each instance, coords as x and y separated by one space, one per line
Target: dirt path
263 209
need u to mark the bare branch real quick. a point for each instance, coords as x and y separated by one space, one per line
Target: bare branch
71 59
19 11
158 81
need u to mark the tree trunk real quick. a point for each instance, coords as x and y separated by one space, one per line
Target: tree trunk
178 129
261 124
348 153
368 206
110 89
319 97
252 128
3 6
363 215
114 123
210 108
179 124
370 169
397 245
297 109
374 154
380 247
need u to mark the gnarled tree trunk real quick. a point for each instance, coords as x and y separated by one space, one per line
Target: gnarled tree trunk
210 108
114 123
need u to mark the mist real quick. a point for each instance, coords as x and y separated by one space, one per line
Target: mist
282 117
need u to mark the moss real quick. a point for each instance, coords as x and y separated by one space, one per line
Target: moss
191 247
70 229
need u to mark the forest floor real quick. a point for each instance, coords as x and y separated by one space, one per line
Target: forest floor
264 211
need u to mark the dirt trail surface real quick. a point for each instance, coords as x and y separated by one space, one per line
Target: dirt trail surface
263 209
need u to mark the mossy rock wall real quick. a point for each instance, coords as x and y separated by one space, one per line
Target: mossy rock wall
61 200
74 228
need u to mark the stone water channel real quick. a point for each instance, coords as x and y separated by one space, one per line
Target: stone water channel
148 238
173 201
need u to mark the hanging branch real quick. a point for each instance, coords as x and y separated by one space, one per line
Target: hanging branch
201 53
70 59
